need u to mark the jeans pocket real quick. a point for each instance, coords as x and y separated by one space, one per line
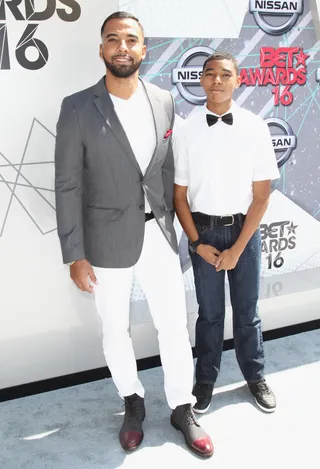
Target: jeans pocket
202 229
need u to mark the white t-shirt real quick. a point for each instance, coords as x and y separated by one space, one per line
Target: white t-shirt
136 117
219 163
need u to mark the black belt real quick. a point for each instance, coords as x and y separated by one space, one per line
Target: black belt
148 216
216 220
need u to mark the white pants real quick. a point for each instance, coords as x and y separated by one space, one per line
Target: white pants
159 274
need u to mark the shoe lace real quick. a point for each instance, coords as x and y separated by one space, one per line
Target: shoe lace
189 415
131 407
263 387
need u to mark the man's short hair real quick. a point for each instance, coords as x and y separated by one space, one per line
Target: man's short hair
121 15
222 56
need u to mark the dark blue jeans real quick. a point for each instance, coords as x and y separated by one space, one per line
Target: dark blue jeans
244 293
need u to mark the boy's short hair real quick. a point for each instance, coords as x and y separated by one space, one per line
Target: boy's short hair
219 55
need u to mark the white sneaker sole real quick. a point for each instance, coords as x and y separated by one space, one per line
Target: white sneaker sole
269 411
203 411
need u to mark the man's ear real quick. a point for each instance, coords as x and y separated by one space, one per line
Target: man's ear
144 51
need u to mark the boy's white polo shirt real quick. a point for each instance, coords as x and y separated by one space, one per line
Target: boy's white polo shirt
219 163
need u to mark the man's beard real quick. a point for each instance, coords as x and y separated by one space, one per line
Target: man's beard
122 71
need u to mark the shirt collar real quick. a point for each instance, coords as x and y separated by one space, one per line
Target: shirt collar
232 109
139 92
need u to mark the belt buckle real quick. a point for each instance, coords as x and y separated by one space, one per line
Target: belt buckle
229 224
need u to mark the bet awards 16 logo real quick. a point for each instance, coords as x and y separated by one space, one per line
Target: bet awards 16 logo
25 10
277 238
284 66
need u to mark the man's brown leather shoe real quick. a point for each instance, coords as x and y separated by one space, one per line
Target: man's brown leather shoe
183 419
131 433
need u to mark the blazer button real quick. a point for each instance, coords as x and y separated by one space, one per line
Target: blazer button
141 207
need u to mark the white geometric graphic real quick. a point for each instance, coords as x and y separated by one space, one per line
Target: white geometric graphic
31 180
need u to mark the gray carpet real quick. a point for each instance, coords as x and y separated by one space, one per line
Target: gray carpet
78 427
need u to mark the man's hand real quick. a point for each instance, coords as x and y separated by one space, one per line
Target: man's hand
208 253
227 260
80 272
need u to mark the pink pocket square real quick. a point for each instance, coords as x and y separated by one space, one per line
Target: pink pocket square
168 133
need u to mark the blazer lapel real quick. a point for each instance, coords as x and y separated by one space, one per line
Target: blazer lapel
157 111
105 106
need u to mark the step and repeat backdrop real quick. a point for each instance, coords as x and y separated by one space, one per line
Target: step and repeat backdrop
49 49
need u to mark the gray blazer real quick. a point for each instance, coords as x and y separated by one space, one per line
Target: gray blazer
99 185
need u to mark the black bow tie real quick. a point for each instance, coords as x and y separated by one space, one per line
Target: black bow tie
227 119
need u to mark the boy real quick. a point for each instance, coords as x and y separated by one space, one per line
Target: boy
224 164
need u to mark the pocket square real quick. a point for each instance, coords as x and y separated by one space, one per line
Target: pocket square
168 133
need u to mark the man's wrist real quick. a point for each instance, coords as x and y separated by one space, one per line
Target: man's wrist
73 262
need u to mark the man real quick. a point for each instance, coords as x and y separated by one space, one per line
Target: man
114 197
224 166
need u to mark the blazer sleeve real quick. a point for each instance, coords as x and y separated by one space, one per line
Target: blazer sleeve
168 165
69 152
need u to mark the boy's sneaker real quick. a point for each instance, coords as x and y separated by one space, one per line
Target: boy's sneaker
263 395
203 393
